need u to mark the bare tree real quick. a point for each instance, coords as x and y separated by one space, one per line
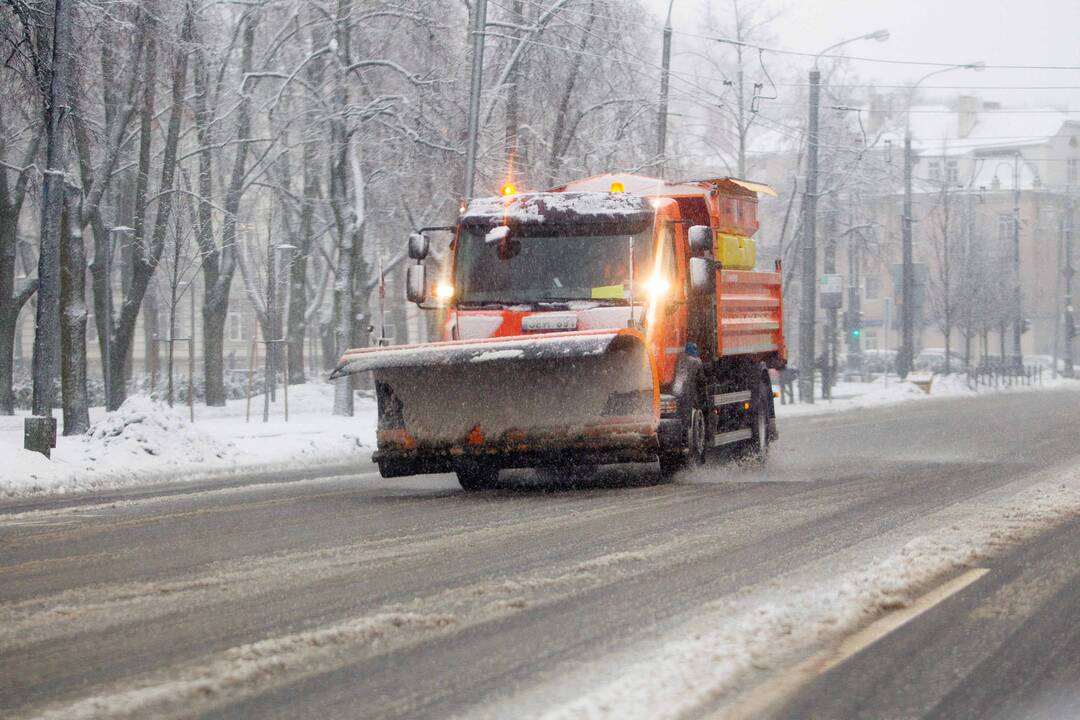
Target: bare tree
12 296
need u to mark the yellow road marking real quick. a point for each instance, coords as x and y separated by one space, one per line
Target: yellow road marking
773 692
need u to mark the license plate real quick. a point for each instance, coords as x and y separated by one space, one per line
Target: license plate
548 323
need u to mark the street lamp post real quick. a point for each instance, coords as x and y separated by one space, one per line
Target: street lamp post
479 23
807 309
1018 309
1067 271
661 125
907 309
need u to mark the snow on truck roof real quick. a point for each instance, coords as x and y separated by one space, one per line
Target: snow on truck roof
550 206
644 185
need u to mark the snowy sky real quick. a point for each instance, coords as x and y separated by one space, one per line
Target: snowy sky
1033 32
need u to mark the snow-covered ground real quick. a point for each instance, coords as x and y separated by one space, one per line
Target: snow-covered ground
146 442
892 390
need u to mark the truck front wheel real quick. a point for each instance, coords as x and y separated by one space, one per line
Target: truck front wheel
693 452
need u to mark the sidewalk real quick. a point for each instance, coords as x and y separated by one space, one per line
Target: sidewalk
146 442
854 395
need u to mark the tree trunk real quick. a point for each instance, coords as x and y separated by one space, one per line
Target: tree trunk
11 298
52 207
11 303
149 254
151 312
74 399
347 217
214 315
219 265
297 322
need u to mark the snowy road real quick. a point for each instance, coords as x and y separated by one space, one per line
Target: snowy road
353 596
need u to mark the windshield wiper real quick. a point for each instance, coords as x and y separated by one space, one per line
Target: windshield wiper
492 304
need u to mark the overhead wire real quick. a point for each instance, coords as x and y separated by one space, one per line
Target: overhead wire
803 53
690 96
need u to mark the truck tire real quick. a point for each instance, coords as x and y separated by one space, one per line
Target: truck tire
475 477
757 447
695 447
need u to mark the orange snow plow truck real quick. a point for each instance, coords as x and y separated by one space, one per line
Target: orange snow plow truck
617 319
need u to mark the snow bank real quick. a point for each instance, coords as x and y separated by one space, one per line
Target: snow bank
144 427
890 391
147 442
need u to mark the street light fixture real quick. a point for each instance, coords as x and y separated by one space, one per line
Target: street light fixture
807 310
907 309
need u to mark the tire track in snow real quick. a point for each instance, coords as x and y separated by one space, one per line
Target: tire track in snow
109 605
220 678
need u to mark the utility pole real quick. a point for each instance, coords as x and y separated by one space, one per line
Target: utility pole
40 427
1018 320
479 23
661 126
906 354
907 307
854 331
807 320
1070 326
270 371
829 374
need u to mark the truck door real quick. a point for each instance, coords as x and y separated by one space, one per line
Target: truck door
668 315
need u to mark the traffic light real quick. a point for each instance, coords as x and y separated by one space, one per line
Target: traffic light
1025 325
856 324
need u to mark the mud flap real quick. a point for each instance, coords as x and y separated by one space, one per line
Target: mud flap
511 399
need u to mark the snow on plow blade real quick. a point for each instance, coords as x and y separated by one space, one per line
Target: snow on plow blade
514 402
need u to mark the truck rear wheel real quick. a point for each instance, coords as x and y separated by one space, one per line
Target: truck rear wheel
474 477
757 447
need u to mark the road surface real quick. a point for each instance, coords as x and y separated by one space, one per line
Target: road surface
352 596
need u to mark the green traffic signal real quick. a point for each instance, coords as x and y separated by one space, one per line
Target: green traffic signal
856 332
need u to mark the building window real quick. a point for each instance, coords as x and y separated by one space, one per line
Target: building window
952 172
236 326
870 340
934 168
1073 171
872 287
1005 223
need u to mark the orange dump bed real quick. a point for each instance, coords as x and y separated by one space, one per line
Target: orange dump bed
749 313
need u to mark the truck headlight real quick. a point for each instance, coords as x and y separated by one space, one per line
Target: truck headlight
657 286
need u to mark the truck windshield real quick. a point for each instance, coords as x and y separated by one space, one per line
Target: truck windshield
542 268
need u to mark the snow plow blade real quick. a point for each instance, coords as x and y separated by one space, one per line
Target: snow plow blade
526 401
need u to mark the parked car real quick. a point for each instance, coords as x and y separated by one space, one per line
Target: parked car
1046 362
879 361
933 360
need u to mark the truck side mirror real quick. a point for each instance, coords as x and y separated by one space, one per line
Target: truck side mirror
702 275
418 246
416 284
701 239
